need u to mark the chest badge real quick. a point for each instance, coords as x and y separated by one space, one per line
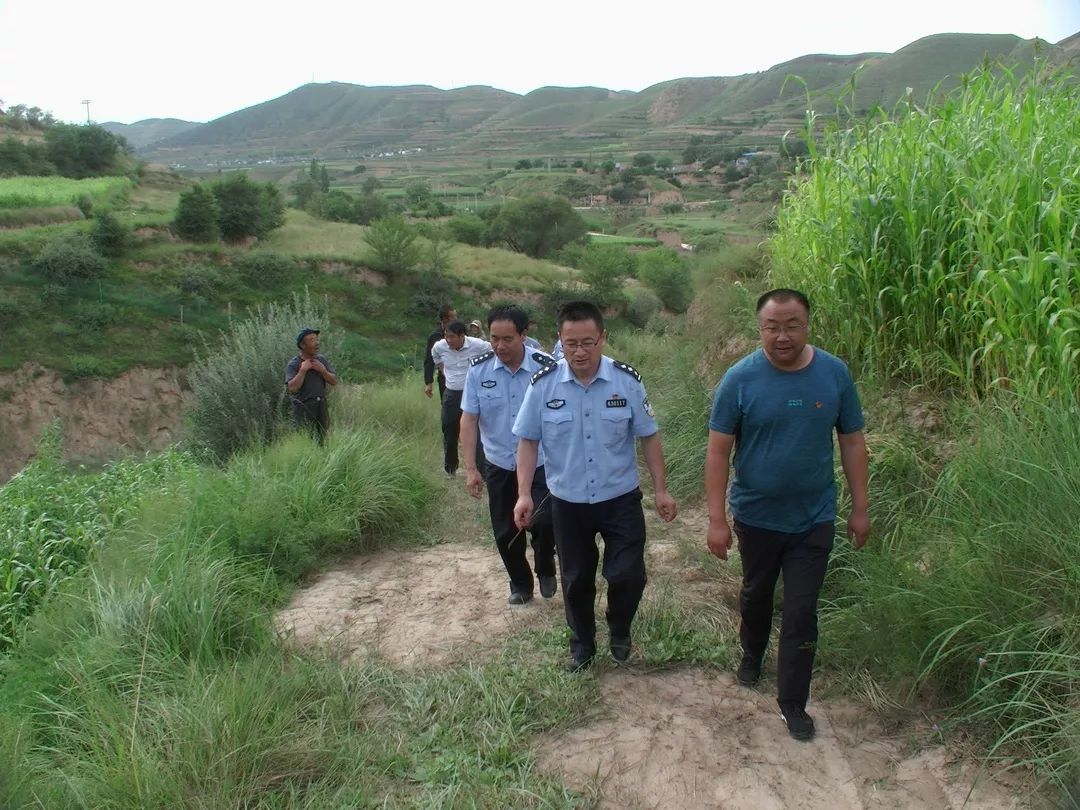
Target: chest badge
555 404
487 383
616 401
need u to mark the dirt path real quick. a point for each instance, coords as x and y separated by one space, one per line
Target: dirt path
683 738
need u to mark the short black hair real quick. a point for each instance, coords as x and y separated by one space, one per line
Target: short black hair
783 295
509 312
444 311
457 327
580 311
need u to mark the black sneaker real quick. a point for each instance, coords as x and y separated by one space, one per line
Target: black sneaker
519 598
578 664
620 649
548 586
800 725
749 671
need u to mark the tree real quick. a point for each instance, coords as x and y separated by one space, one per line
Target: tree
608 166
246 208
81 150
573 188
669 276
324 179
665 163
418 193
110 236
644 161
196 216
603 268
369 207
524 163
371 184
393 246
537 225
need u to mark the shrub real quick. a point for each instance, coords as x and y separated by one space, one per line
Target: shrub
239 386
110 236
266 268
246 208
393 246
536 225
92 316
69 256
642 306
668 276
469 229
196 216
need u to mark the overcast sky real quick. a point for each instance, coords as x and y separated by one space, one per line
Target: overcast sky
198 59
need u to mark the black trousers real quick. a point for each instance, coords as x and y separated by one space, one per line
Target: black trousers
313 415
621 523
451 432
802 559
502 496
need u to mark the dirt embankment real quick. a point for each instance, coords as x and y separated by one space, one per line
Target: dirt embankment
139 410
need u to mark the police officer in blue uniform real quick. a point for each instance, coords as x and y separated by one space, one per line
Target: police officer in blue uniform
495 388
587 410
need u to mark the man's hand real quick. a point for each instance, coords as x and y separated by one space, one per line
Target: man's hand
719 539
305 365
523 511
427 390
666 506
317 366
858 527
473 482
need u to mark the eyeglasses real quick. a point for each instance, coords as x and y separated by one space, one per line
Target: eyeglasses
574 345
787 329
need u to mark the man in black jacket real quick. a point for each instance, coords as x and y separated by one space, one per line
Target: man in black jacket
446 315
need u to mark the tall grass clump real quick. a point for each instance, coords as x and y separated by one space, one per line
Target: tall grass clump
940 243
239 385
974 596
53 520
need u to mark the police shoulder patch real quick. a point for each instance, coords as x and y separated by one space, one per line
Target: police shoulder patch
545 370
480 358
544 359
628 369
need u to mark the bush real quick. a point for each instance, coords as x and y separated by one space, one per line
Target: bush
536 225
246 208
369 207
469 229
239 386
196 216
642 306
266 268
669 276
110 236
393 246
92 316
69 256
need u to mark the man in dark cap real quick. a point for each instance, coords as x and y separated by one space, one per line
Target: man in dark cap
306 378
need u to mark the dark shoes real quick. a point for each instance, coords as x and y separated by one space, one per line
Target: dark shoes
800 725
620 649
519 598
548 586
749 671
578 664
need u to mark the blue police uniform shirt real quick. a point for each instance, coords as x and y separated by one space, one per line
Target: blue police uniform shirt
495 394
588 432
784 422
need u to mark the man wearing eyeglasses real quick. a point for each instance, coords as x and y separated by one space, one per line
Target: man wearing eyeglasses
778 408
587 410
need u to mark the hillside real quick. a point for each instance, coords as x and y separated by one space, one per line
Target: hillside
150 130
347 121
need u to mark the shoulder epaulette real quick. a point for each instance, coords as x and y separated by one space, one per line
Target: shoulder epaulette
544 359
480 358
547 369
633 372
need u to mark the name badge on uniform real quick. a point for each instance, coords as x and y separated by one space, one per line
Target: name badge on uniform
616 402
487 383
555 404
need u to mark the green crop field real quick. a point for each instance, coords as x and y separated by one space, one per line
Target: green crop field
42 192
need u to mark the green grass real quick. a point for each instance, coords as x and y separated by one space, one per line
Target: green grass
40 192
940 245
610 239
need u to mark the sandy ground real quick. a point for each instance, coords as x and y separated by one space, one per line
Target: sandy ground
683 738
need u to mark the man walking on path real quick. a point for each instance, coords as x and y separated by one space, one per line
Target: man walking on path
778 407
494 391
431 375
453 356
306 378
587 410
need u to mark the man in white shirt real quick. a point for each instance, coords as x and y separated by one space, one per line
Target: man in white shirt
453 355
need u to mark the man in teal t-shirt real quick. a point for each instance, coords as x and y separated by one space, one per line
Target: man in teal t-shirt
778 408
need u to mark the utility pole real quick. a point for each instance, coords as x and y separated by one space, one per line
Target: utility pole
86 101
